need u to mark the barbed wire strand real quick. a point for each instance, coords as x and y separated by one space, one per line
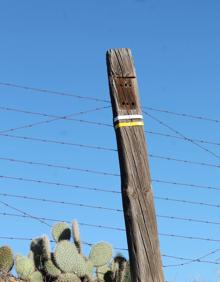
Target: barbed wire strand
70 168
190 185
47 91
59 142
52 241
103 207
62 220
187 202
189 259
60 185
86 146
105 125
199 259
98 189
22 212
104 173
181 138
60 202
155 197
25 215
191 220
183 161
185 115
214 251
54 116
68 94
194 220
30 125
180 134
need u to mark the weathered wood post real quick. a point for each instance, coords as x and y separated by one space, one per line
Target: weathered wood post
137 195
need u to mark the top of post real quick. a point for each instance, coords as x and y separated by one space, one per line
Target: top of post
120 63
123 83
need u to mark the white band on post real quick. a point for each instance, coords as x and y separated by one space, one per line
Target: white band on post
123 117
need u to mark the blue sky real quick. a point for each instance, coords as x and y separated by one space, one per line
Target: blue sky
61 45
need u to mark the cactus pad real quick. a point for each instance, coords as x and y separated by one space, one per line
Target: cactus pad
127 277
100 254
36 277
101 271
76 235
89 268
51 269
40 248
6 259
68 259
24 267
68 277
61 231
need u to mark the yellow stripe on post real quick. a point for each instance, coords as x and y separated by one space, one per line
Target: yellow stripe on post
129 124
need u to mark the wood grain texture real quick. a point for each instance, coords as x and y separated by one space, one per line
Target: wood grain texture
137 195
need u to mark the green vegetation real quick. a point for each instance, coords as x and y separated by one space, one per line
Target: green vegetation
67 262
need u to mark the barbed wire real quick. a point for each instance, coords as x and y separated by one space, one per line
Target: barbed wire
60 202
189 237
116 191
196 220
181 135
105 125
59 142
183 161
181 138
52 241
188 259
47 91
199 259
187 202
194 260
30 125
185 115
60 185
86 146
123 249
68 94
22 212
100 226
106 208
55 116
190 185
192 220
70 168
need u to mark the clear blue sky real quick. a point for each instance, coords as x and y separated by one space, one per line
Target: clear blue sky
61 45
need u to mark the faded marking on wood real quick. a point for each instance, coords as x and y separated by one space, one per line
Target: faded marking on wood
137 195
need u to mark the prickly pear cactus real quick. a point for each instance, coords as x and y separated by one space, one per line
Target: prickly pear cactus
76 235
89 268
61 231
100 254
68 277
101 271
68 259
51 269
6 259
66 262
36 277
24 267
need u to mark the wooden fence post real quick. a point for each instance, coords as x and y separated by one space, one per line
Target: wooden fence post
137 195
